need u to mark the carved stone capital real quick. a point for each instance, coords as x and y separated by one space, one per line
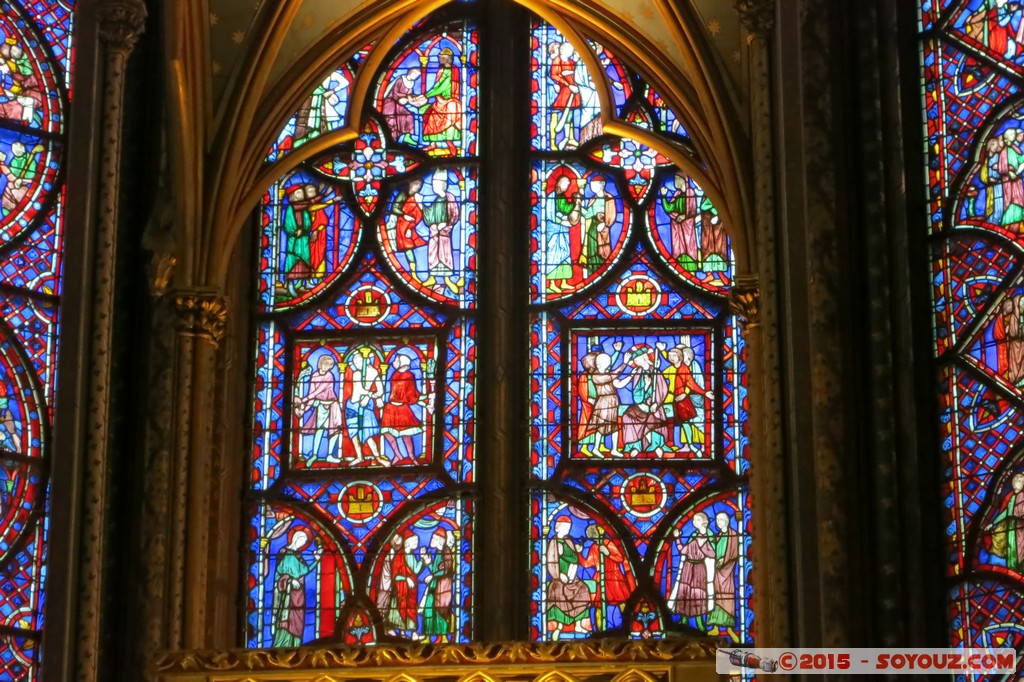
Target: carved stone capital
745 301
201 313
757 16
121 22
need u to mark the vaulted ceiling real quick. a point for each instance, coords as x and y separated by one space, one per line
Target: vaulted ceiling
231 24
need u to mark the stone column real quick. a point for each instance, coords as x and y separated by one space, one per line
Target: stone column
120 22
754 299
185 375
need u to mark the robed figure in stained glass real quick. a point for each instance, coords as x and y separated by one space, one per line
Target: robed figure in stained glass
437 601
400 101
387 594
685 398
599 214
323 110
406 221
1011 168
1007 528
306 247
563 192
727 553
20 86
441 214
681 206
1008 337
643 422
443 120
568 100
405 569
997 24
610 572
692 587
568 596
322 407
290 590
399 421
364 398
10 439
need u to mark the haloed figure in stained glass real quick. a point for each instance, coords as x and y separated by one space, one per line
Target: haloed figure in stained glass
608 562
440 574
1007 528
10 436
684 402
693 587
290 589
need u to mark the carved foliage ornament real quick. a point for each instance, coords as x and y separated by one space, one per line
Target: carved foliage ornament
201 313
745 302
524 653
757 16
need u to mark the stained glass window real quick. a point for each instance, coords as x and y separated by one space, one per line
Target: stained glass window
973 68
35 65
364 461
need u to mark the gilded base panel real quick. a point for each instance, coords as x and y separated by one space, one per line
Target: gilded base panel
677 661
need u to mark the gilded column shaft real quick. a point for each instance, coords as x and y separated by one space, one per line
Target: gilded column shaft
120 24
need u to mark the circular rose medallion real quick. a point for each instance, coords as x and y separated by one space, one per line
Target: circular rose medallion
643 495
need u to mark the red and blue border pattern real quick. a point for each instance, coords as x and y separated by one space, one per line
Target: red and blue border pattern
34 104
972 71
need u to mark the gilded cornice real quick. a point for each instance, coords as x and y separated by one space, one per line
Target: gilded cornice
428 655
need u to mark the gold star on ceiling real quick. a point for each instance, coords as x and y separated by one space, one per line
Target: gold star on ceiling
714 27
214 19
237 37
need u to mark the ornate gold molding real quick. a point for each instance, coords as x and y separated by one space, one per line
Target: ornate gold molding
202 313
628 653
757 16
121 22
745 301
